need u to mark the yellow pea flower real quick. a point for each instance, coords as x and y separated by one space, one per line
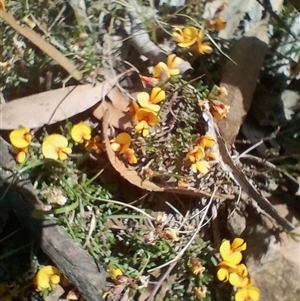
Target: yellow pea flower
248 293
220 24
222 92
20 138
197 268
142 128
133 108
47 277
21 153
121 143
162 70
147 101
186 37
146 118
211 156
239 277
232 252
195 157
81 132
217 24
200 292
130 156
173 62
218 109
196 154
55 146
115 275
225 268
203 47
201 166
205 141
94 144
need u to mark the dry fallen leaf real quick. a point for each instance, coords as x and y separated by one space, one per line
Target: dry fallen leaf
130 175
117 107
73 294
42 44
133 177
52 106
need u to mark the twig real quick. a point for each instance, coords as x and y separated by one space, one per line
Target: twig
140 40
272 166
57 17
243 154
182 251
122 204
270 137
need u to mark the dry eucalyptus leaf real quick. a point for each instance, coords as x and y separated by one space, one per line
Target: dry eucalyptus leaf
117 107
52 106
130 175
118 119
43 45
73 294
133 177
119 99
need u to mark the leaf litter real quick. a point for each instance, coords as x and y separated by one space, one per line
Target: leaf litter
110 105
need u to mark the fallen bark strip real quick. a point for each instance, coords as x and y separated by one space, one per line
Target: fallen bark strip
68 256
240 179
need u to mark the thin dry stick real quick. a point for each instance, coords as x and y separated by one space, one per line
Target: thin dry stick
268 138
271 166
261 141
122 204
182 251
248 150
